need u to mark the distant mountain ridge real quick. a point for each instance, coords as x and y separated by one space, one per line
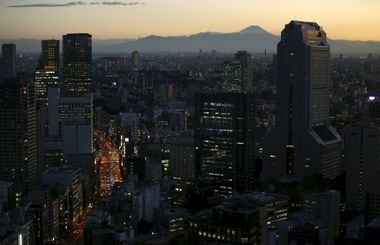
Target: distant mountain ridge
253 38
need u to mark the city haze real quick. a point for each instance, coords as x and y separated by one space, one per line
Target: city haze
41 19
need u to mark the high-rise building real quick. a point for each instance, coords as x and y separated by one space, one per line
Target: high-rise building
49 59
182 157
47 72
77 60
71 119
45 76
246 71
302 142
362 153
17 140
225 138
8 60
68 184
237 73
136 58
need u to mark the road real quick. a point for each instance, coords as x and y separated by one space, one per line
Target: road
109 161
109 175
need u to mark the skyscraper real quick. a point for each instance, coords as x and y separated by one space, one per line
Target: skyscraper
246 72
47 72
49 59
136 58
45 77
237 73
181 157
77 59
17 140
8 60
302 142
225 138
362 153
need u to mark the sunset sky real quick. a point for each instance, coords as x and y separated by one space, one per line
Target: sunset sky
343 19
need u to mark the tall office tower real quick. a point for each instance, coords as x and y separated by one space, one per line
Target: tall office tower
71 119
17 160
34 165
246 71
8 60
362 153
77 59
47 72
182 157
302 142
238 74
45 76
49 59
136 58
225 137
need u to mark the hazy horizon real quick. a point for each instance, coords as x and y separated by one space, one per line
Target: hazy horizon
174 35
44 19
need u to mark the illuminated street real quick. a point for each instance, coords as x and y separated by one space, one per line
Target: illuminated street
109 168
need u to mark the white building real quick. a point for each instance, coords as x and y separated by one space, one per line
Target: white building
71 118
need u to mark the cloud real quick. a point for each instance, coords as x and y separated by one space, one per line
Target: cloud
77 3
48 5
118 3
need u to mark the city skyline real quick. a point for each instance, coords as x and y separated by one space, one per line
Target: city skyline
109 19
189 122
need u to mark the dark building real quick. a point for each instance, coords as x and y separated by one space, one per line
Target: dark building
44 208
181 157
371 233
8 60
373 107
17 140
304 234
246 71
303 141
45 77
136 58
225 137
229 224
77 59
49 59
136 166
362 152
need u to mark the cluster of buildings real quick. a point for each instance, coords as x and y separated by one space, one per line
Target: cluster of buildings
190 148
48 167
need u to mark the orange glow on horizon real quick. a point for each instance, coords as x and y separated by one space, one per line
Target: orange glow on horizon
342 19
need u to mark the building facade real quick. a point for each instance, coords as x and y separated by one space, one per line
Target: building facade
225 138
77 60
302 142
8 60
362 153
